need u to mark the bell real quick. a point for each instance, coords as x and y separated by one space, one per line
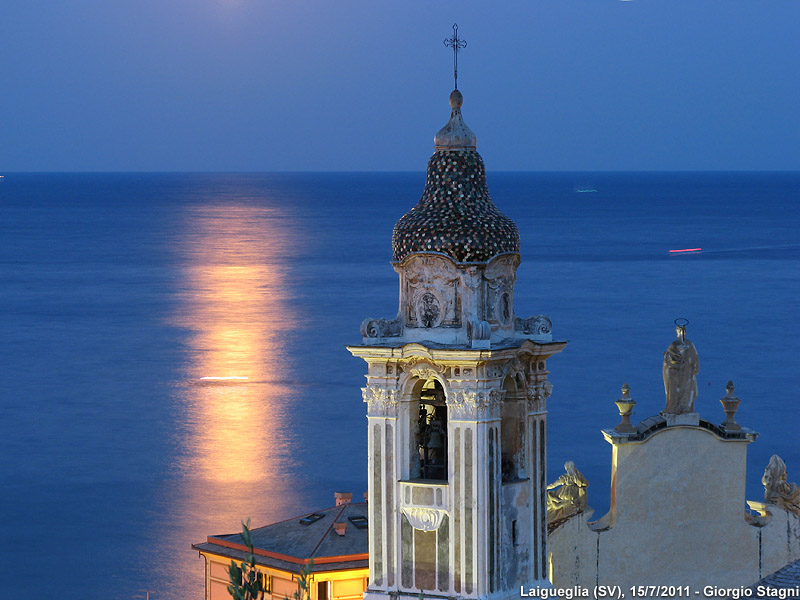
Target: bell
435 439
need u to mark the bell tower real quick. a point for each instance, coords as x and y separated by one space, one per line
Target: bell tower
456 397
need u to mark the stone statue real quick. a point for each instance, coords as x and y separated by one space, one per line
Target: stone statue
680 373
777 490
567 495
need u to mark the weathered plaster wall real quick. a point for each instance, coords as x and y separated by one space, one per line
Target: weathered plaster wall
515 533
778 540
677 518
573 553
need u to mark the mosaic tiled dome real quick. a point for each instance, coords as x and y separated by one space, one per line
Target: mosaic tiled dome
455 215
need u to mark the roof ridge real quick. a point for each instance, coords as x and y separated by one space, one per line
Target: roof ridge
327 531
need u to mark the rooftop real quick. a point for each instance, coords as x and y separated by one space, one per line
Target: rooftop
291 544
786 578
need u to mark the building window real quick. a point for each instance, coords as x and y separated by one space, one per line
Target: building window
322 590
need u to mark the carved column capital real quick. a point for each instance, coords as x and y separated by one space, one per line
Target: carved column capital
469 405
538 393
381 402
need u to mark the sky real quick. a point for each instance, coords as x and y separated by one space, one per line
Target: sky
362 85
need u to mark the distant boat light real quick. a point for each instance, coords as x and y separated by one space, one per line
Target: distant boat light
688 250
235 377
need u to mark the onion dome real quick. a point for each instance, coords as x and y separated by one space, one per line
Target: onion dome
455 215
455 135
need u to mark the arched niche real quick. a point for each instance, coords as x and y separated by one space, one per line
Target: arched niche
427 427
512 430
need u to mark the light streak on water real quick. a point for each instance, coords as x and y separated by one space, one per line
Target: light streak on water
236 458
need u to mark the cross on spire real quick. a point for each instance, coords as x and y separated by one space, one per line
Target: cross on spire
456 44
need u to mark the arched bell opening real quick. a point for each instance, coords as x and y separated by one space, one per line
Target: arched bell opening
428 427
512 432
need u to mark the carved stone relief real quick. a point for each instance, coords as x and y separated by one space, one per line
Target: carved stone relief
494 371
432 295
536 402
470 283
381 402
425 519
380 328
538 394
471 278
423 369
503 267
470 405
424 372
428 307
518 371
539 328
499 299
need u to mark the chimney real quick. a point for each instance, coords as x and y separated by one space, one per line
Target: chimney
339 528
343 498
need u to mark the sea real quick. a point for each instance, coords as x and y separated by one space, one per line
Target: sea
173 352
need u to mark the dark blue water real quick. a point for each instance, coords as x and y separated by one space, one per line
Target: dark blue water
119 293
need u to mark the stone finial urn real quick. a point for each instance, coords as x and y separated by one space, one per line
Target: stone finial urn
730 404
625 405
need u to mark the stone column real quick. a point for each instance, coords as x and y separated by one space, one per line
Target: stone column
382 476
476 481
538 391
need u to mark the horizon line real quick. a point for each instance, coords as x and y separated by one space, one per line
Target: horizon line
320 172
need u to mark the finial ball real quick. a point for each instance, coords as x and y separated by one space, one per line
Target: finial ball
456 99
